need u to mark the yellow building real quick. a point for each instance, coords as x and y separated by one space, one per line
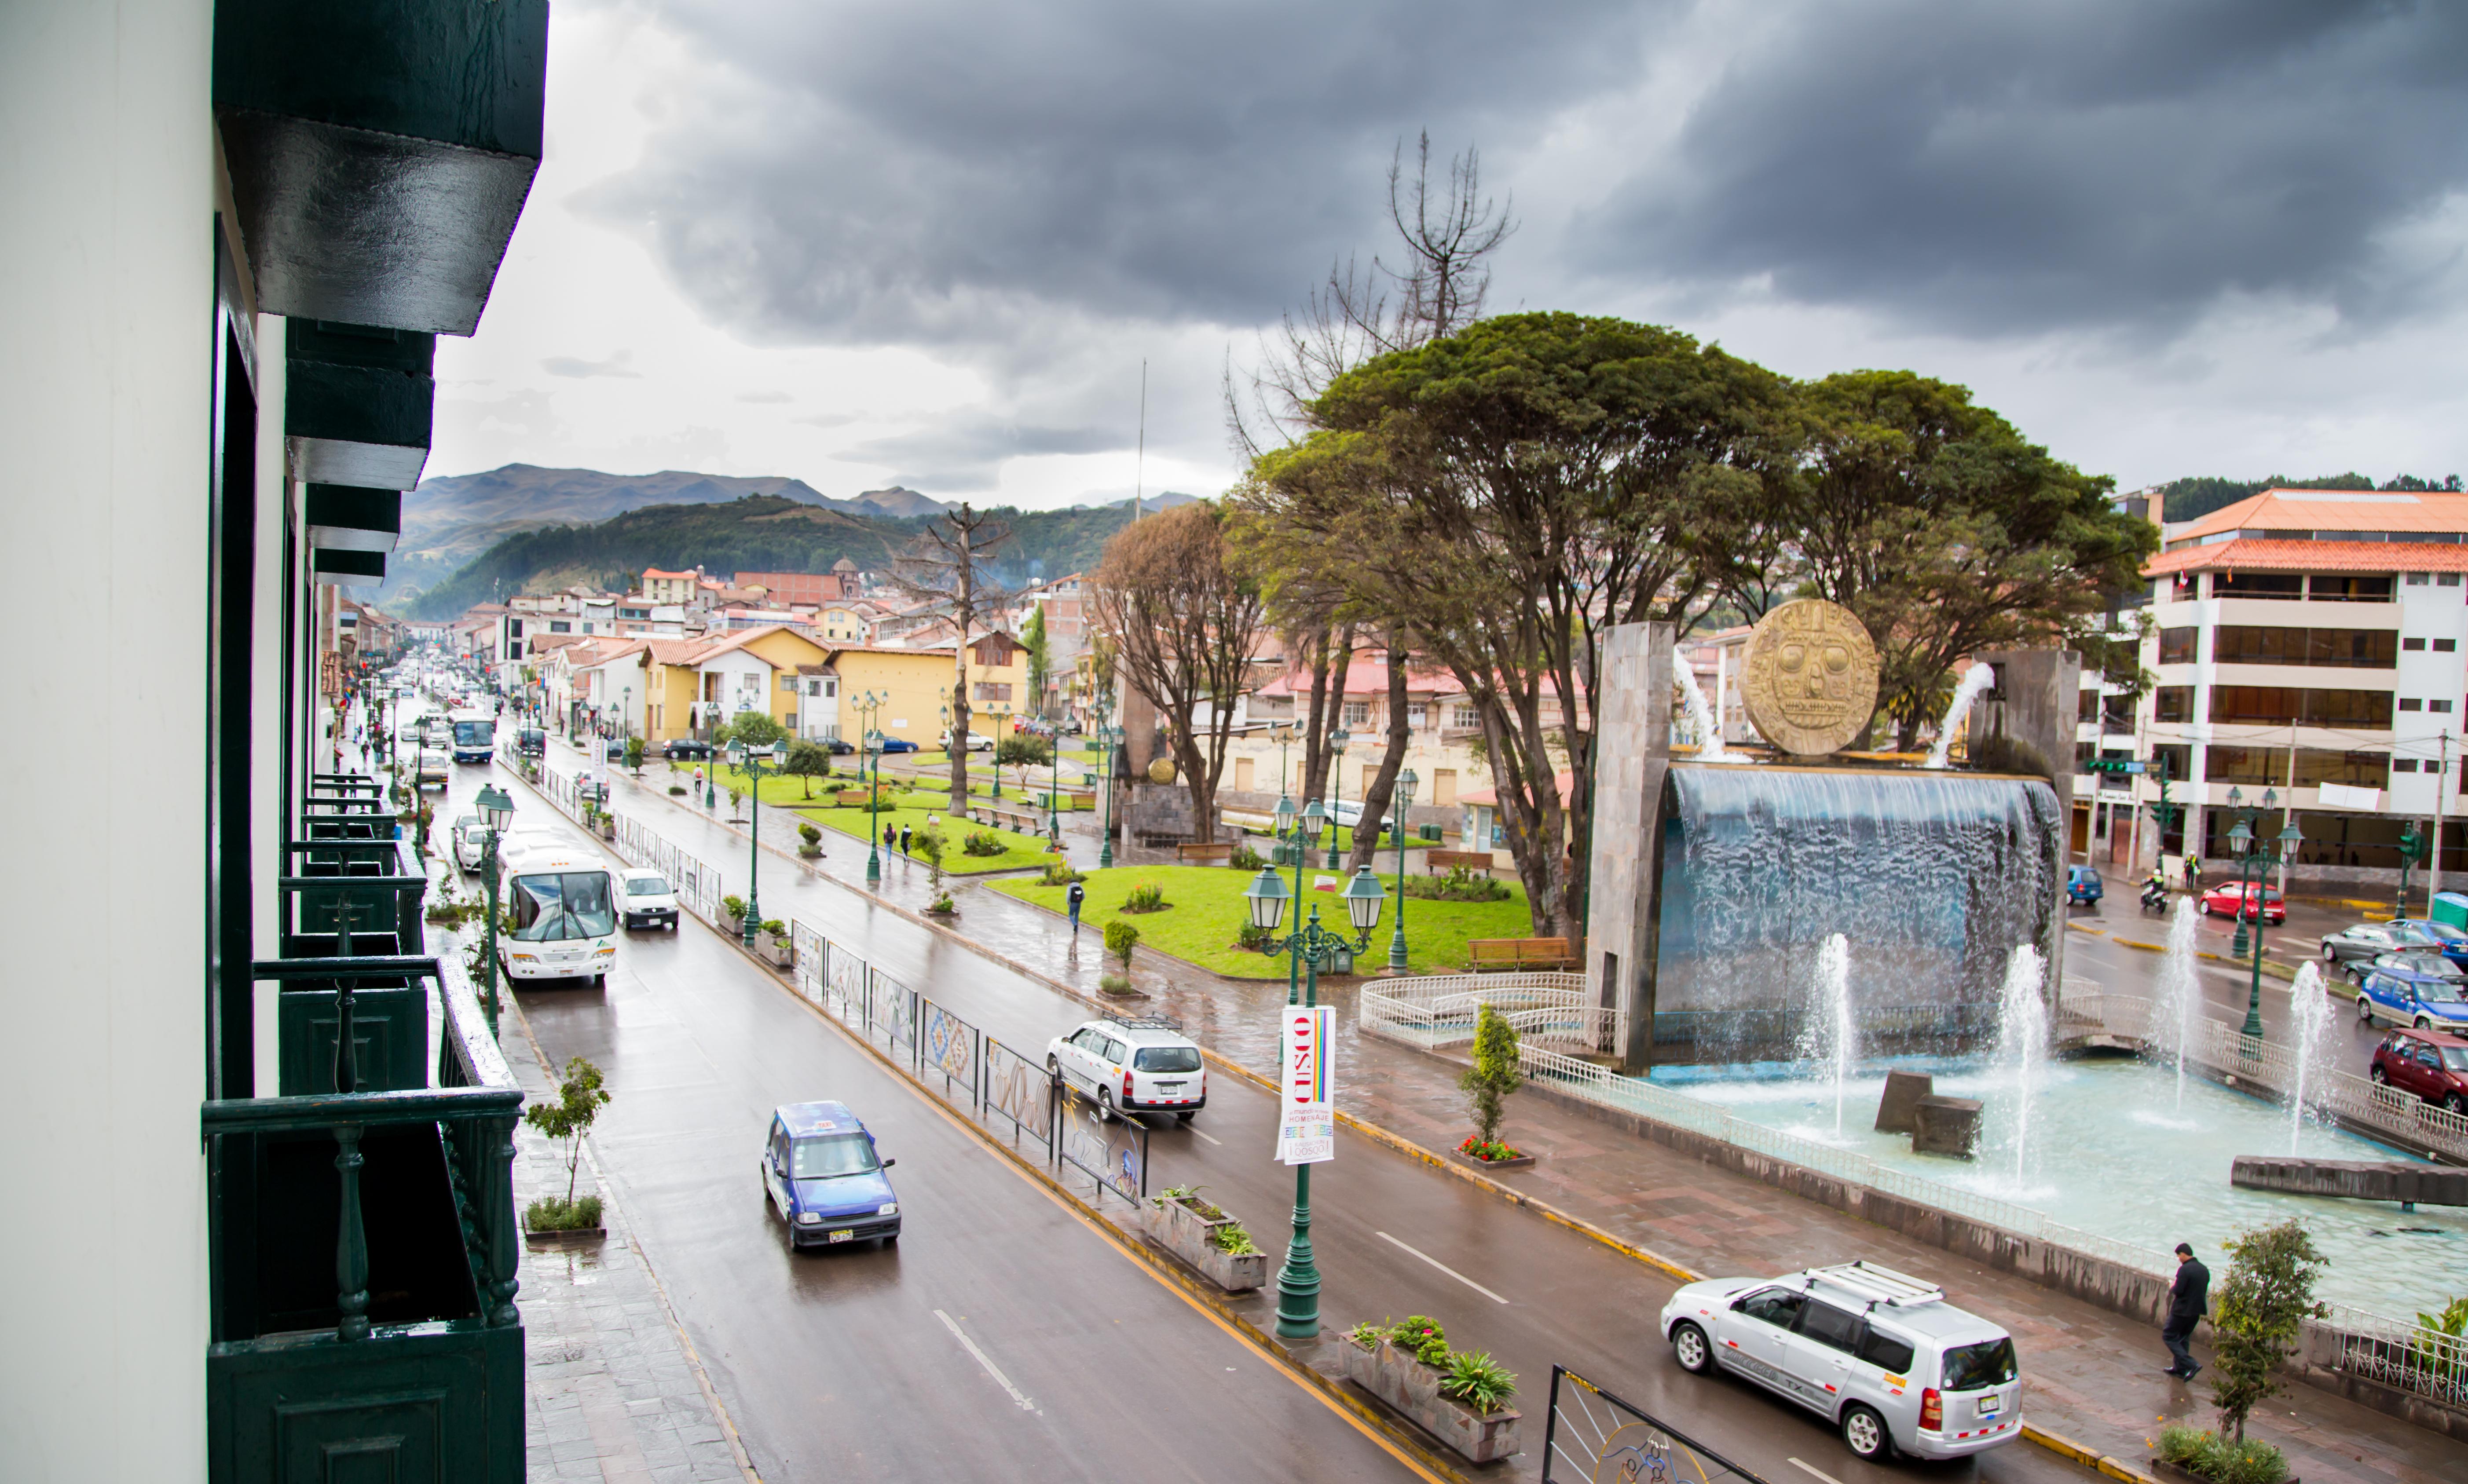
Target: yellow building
999 682
697 684
660 586
914 685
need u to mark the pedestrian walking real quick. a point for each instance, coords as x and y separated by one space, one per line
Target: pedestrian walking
2189 1299
2193 874
903 840
890 835
1074 897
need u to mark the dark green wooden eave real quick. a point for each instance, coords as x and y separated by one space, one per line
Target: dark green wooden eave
357 404
348 569
347 517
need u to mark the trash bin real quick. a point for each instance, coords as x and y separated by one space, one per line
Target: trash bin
2452 907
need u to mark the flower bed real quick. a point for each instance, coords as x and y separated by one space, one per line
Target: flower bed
1209 1240
1492 1156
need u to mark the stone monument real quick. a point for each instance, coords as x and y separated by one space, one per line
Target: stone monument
1809 678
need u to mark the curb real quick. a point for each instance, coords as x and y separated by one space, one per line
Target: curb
1395 1142
2270 967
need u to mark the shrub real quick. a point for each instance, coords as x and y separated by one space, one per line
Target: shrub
676 788
734 907
1254 937
1458 885
1120 939
772 925
942 903
1368 1335
1148 896
1246 858
1059 872
1113 984
2444 1361
2214 1457
983 842
634 753
1495 1073
2268 1292
1422 1335
1232 1240
555 1213
811 834
580 1097
1485 1150
1190 1194
1479 1382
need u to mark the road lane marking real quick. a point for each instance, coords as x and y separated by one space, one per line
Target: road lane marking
1220 1143
1442 1267
992 1369
1819 1472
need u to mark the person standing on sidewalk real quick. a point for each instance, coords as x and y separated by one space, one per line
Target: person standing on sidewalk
2189 1299
2193 874
1074 897
903 840
890 835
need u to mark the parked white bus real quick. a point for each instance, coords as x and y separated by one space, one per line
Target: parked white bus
563 903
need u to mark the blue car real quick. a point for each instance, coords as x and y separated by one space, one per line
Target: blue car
823 1176
893 745
2424 989
2083 885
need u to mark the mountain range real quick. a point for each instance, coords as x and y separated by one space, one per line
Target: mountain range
525 529
448 521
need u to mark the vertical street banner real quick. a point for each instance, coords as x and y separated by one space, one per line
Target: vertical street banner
1306 1090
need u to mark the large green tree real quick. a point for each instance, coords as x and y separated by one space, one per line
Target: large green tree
1511 490
1946 531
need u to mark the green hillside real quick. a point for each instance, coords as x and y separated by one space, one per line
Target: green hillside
754 534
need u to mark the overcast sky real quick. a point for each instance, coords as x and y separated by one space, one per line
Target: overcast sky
930 241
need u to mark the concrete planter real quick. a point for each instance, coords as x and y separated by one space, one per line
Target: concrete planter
575 1237
608 827
732 925
1405 1384
774 950
810 852
2177 1473
1520 1162
1179 1227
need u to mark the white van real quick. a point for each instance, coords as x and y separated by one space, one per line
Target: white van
1879 1354
564 905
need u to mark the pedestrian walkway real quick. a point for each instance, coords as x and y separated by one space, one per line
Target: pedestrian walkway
610 1391
2094 1376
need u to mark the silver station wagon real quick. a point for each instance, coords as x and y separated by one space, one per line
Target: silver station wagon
1879 1354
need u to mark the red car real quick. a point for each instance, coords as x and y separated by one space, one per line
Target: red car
2236 900
2429 1063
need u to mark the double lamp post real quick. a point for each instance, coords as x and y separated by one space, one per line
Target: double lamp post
2254 857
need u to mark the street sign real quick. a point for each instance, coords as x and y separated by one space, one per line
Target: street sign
1307 1120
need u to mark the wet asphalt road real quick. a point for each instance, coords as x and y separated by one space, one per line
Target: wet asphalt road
841 1364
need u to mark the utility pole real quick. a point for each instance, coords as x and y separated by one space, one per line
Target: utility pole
2441 780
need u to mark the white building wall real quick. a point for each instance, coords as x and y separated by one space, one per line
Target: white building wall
106 290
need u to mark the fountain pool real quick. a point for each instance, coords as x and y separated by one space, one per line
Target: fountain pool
2114 1153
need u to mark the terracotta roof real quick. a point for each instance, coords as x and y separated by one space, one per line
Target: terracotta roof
2258 556
886 649
2337 509
651 573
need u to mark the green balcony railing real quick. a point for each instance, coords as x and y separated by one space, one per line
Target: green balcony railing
363 1254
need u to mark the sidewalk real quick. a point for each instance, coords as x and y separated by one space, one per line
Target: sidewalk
2094 1375
610 1391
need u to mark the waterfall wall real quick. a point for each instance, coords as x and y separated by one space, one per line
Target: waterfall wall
1933 877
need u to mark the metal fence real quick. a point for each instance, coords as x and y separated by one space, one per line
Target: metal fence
1114 1153
1020 1092
2407 1357
698 884
1592 1436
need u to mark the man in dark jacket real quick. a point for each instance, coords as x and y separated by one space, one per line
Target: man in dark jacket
2189 1299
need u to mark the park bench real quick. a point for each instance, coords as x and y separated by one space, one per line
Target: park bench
1206 855
1447 860
1488 955
1005 817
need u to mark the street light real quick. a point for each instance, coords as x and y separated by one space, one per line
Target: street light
2409 841
752 764
1298 1280
1407 784
2253 861
870 739
1054 788
1109 737
1336 741
496 812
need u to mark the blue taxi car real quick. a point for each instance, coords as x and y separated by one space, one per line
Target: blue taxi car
823 1175
2083 885
2453 942
2421 988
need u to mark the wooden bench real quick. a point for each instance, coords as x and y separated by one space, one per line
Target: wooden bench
1003 816
1488 955
1449 859
1206 855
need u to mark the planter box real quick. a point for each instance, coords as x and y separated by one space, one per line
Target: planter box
1520 1162
1395 1376
774 949
1180 1229
608 827
810 852
732 925
550 1241
2175 1474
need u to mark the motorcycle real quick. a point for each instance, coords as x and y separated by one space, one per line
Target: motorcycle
2155 896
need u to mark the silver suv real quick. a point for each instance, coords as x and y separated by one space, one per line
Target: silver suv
1133 1064
1877 1353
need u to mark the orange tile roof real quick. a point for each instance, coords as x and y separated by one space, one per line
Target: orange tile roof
2257 555
2337 509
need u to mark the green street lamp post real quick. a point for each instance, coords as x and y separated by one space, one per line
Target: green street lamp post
2409 841
1109 737
2254 859
1306 949
496 812
1054 789
1407 784
870 740
754 764
1336 741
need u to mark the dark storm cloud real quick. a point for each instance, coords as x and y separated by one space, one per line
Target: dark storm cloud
1997 169
962 171
965 451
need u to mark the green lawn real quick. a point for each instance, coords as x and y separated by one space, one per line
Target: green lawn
1024 852
1208 911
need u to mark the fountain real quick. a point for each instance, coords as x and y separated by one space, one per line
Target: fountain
2181 993
1974 680
2312 1053
2023 1044
1831 1040
1701 714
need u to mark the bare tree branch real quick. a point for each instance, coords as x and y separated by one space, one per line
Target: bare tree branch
944 566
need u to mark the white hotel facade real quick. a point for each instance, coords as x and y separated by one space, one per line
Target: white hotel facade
2306 641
